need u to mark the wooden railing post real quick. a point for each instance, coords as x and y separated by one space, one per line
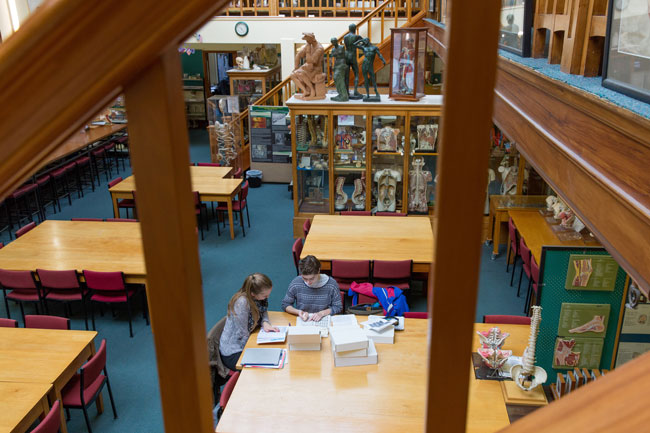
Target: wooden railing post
274 7
466 121
159 151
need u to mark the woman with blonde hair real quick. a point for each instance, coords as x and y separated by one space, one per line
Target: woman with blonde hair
247 310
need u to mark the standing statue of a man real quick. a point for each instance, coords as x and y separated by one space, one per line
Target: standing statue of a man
340 68
367 68
349 41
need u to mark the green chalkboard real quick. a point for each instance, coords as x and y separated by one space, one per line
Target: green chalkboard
591 272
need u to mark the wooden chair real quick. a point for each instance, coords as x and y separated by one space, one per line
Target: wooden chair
524 252
387 273
22 288
64 287
47 322
347 271
506 320
52 421
8 323
227 391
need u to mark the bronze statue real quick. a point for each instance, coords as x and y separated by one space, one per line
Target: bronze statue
349 41
369 53
309 78
340 68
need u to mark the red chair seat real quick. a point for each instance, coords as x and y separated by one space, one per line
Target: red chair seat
71 393
24 190
111 298
59 172
127 202
23 295
43 180
236 206
344 286
83 160
70 166
64 295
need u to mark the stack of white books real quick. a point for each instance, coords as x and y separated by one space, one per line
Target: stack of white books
351 346
380 330
303 338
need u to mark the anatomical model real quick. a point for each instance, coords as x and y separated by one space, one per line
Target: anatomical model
427 135
387 139
493 338
341 196
359 194
386 186
301 131
583 272
490 350
527 376
508 176
225 137
418 182
594 325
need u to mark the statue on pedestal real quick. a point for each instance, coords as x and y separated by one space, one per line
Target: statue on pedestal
369 53
340 69
309 78
349 41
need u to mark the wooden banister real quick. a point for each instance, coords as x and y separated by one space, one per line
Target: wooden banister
69 60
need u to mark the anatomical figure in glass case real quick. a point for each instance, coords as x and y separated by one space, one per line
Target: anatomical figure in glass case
418 183
387 139
387 180
427 135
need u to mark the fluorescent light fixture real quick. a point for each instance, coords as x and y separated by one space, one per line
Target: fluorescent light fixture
13 12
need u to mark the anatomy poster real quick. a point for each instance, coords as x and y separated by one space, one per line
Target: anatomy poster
634 36
578 352
583 320
591 272
637 320
628 351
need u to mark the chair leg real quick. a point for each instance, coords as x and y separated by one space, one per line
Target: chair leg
110 395
514 266
90 430
67 414
528 293
241 221
83 304
508 258
248 218
92 314
145 306
6 304
521 274
22 311
128 309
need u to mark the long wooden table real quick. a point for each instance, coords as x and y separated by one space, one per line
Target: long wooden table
79 245
310 393
370 238
21 404
44 356
208 181
499 207
537 233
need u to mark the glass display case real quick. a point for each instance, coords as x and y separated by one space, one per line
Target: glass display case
252 84
349 162
388 143
310 137
408 52
423 141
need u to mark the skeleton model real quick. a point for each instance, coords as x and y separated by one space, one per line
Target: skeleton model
387 139
427 135
386 186
418 182
341 196
359 194
301 131
225 137
528 376
508 176
491 342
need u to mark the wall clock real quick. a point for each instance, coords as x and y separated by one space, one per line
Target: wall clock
241 28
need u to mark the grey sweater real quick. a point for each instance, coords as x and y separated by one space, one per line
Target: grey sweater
313 300
237 329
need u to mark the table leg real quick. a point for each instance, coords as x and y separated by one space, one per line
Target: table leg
57 396
99 403
45 407
496 236
115 209
230 221
490 229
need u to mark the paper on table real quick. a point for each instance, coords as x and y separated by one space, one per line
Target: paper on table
322 324
344 320
272 337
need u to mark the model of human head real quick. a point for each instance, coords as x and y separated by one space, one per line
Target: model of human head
240 62
550 202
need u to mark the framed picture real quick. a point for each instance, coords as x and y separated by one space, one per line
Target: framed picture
626 65
516 22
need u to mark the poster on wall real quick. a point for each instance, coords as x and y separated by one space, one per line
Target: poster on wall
581 352
627 351
637 320
584 320
270 134
590 272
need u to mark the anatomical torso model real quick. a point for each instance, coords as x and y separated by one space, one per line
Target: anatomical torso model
386 188
418 182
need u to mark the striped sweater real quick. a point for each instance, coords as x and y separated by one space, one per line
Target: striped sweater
313 300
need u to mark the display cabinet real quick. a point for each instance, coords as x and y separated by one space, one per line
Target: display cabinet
370 156
251 84
408 61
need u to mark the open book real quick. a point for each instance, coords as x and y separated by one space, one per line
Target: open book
272 337
322 324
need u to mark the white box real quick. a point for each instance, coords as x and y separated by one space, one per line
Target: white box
387 336
346 338
358 360
352 353
305 346
303 335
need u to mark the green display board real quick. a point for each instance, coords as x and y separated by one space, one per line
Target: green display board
583 320
578 352
564 310
591 272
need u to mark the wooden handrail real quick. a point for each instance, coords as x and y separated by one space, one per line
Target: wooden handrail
307 8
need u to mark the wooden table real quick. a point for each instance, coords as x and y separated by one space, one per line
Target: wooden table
311 394
370 238
21 404
44 356
537 232
79 245
499 207
208 181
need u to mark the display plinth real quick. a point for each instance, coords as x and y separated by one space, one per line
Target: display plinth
512 394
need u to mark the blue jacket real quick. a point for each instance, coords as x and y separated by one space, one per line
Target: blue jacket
394 305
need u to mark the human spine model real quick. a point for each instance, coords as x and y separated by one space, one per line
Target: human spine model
341 196
359 194
301 131
418 181
528 376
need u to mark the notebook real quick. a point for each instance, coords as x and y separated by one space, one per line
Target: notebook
256 356
272 337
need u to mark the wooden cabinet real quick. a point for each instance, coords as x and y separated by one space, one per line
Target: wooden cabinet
370 156
252 84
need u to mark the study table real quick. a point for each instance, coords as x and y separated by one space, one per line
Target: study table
499 207
208 181
309 393
343 237
537 233
44 356
21 404
92 245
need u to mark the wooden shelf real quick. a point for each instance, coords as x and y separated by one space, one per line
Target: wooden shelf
377 153
343 151
321 151
350 169
425 153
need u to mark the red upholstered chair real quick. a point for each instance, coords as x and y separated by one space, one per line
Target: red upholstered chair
99 155
396 214
201 217
22 288
126 203
238 205
52 421
84 388
296 250
524 252
514 248
507 320
64 287
8 323
47 322
392 273
347 271
306 227
416 315
227 391
356 212
208 164
24 229
533 284
237 174
86 219
109 288
121 220
1 245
